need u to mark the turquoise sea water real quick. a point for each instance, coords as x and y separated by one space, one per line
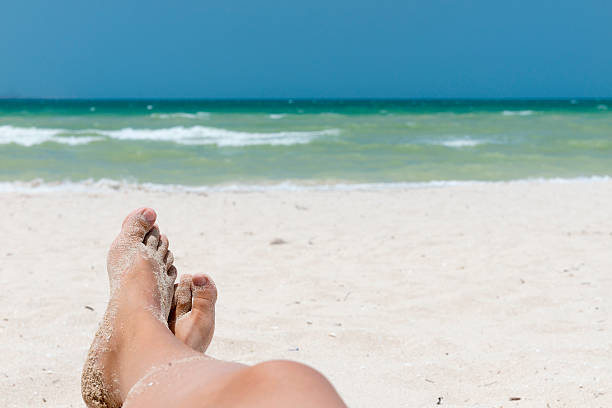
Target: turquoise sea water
210 143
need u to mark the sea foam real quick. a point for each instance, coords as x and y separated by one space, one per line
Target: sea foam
458 143
518 113
203 135
181 115
34 136
194 135
108 185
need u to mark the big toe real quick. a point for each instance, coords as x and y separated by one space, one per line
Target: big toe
138 223
204 294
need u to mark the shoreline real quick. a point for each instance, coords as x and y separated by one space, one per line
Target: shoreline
37 186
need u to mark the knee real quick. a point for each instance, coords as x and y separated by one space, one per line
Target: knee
286 373
287 383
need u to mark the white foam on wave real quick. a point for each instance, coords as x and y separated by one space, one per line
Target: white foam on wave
460 142
109 186
276 116
33 136
518 113
195 135
181 115
203 135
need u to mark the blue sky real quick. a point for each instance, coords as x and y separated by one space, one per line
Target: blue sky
306 49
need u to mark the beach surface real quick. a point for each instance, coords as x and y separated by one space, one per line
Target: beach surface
476 295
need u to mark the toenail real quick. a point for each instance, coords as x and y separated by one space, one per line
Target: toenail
149 215
200 280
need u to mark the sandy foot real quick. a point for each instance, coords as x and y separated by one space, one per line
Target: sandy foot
141 278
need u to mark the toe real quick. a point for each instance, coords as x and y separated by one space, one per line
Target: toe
172 273
172 315
163 245
182 296
151 240
138 223
204 293
169 260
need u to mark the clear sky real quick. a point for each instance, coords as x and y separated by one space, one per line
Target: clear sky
306 49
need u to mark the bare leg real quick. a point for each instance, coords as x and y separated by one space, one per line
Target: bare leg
135 361
200 381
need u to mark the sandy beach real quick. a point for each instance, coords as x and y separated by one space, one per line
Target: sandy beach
481 295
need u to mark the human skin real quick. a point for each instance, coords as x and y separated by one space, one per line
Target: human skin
137 361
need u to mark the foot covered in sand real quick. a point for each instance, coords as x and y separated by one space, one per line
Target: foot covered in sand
192 318
141 279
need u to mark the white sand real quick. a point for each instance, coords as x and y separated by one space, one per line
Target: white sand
474 293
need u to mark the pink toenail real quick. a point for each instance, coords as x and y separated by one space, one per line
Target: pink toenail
200 280
149 215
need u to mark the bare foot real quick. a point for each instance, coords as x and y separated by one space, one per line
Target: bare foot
138 224
141 278
192 318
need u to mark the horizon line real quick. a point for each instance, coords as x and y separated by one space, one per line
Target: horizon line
305 99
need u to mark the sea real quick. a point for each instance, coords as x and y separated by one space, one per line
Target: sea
201 145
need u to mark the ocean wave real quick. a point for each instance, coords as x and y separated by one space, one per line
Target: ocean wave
202 135
34 136
459 142
181 115
276 115
518 113
195 135
109 186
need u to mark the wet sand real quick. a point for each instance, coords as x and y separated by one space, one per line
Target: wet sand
470 295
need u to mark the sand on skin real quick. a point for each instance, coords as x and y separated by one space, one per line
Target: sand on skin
474 293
